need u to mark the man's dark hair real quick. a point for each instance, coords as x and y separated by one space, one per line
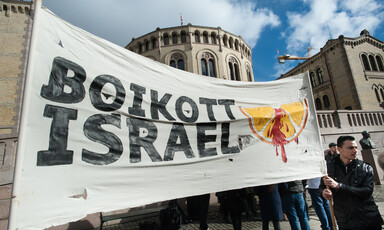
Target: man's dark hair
341 139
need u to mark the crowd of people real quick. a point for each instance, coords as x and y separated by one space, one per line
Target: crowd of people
348 185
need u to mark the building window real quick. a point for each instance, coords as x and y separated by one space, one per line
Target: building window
154 46
379 63
205 37
146 45
377 95
318 104
174 39
213 39
373 63
326 101
180 64
382 93
140 48
173 63
225 40
208 67
320 75
313 80
177 61
365 62
197 37
166 39
231 42
204 67
249 75
183 37
234 69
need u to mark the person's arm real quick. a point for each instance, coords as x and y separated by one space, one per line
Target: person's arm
364 191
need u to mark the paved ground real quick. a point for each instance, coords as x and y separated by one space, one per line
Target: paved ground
216 222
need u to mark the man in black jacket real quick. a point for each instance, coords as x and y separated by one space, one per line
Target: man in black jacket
351 185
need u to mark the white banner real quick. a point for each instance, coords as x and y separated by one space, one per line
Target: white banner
105 129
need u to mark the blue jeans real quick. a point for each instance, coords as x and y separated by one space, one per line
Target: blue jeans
322 209
294 208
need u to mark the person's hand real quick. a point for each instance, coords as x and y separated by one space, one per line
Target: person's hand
327 194
330 182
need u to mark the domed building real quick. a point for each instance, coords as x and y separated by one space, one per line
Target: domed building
207 51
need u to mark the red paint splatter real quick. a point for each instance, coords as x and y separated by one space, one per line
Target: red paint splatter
278 137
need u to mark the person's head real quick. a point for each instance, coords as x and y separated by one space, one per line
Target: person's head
347 147
332 147
365 134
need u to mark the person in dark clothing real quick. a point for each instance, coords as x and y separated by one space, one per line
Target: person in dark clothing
235 200
270 205
350 183
222 199
331 152
204 206
294 205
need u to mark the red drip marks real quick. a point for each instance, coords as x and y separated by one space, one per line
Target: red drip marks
297 140
278 137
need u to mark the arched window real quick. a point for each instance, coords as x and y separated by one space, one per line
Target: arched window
213 38
183 36
140 48
205 37
326 101
146 45
208 66
204 67
225 40
231 42
249 75
377 95
174 39
154 44
365 62
313 79
320 75
382 93
379 63
237 45
177 61
211 67
234 69
173 63
373 63
197 36
180 64
318 104
166 39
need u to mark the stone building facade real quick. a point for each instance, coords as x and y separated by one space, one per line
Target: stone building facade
15 27
347 73
203 50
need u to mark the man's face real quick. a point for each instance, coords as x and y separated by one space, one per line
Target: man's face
333 149
348 151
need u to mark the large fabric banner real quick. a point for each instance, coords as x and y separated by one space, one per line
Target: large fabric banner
105 129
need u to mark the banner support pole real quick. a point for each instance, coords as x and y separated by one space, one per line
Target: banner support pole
21 137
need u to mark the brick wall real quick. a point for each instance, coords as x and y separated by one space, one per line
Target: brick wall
15 24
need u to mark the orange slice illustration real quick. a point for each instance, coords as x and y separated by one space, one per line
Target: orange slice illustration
278 126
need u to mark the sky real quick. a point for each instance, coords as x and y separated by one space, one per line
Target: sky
267 26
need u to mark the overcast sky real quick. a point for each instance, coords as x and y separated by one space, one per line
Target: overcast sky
266 25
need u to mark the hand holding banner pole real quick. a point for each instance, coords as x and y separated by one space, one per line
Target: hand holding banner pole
331 207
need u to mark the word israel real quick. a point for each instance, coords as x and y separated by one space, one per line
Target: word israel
136 120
